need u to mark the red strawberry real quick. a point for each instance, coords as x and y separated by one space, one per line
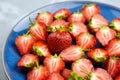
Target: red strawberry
37 29
59 40
72 53
113 47
66 73
38 73
117 77
28 60
24 43
45 17
54 63
82 66
113 66
41 49
76 17
105 34
86 40
62 14
97 21
116 24
90 10
76 28
98 55
100 74
55 76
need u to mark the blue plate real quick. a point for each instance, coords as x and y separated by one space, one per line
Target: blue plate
10 53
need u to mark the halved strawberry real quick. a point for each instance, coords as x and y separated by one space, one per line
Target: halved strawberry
66 73
38 73
98 55
82 67
86 40
45 17
76 17
41 49
55 76
24 43
90 10
115 24
72 53
97 21
105 34
76 28
100 74
117 77
54 63
62 14
113 66
113 47
28 61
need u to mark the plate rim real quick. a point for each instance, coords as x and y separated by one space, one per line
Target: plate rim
27 14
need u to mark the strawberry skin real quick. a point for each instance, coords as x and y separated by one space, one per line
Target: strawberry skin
117 77
24 43
76 28
86 40
54 63
72 53
62 14
105 34
90 10
82 66
76 17
66 73
38 73
41 49
45 17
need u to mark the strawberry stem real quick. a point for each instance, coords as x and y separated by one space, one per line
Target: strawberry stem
31 21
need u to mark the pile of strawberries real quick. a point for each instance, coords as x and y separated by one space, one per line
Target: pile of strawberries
71 46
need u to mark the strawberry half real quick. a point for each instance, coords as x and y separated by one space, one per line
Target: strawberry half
82 67
105 34
54 63
90 10
113 47
76 17
45 17
24 43
97 21
117 77
41 49
66 73
62 14
28 61
113 66
86 40
72 53
76 28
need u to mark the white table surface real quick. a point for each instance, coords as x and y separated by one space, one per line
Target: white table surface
11 11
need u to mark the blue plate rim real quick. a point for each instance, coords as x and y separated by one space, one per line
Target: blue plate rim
5 42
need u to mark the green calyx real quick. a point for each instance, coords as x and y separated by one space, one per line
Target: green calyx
104 28
42 13
29 65
77 12
70 27
82 51
112 25
32 23
38 52
60 17
100 59
88 5
90 24
114 58
118 35
55 56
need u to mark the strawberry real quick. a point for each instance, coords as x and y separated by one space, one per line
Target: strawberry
98 55
105 34
28 60
38 73
41 49
113 47
72 53
59 40
62 14
76 28
24 43
54 63
45 17
86 40
90 10
100 74
76 17
66 73
115 24
117 77
97 21
113 66
82 67
55 76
